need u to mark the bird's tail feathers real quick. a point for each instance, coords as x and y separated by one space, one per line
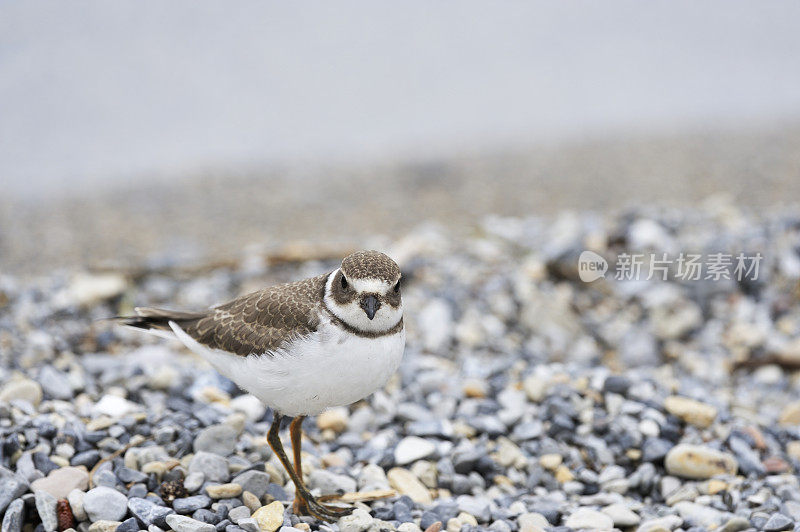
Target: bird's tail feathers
153 318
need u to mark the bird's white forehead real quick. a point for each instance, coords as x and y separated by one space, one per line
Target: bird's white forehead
372 286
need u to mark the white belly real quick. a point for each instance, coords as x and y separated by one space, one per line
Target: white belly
330 367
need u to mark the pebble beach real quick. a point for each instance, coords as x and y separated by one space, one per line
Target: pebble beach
527 400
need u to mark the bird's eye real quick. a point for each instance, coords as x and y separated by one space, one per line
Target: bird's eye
397 288
344 283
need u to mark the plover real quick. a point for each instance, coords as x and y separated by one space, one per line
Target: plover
301 347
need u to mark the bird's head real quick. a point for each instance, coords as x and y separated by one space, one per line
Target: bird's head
365 292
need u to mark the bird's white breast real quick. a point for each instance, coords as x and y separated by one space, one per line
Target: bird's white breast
330 367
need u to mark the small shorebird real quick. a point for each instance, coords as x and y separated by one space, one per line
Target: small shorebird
301 347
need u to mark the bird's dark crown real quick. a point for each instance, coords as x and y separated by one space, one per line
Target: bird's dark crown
370 265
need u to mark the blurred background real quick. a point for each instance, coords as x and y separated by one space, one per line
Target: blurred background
139 132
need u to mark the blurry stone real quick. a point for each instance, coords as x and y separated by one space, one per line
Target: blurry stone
412 448
224 491
12 520
330 483
104 525
407 484
358 521
586 518
250 406
694 412
436 325
269 517
790 415
104 503
54 383
181 523
88 289
213 466
475 388
22 390
60 482
550 461
334 419
699 462
535 388
75 499
218 439
46 507
115 406
532 522
622 516
256 482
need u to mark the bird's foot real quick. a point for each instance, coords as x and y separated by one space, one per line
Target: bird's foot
309 505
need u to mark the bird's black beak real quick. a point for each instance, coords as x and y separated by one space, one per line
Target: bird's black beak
370 304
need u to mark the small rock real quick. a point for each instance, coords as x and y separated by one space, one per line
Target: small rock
778 522
193 481
699 515
12 521
256 482
478 507
407 484
532 522
622 516
250 501
181 523
535 388
699 462
54 383
115 406
10 489
224 491
75 499
187 505
693 412
87 289
475 388
586 518
250 406
46 507
330 483
334 419
372 477
22 390
104 525
413 448
736 524
218 439
213 466
269 517
358 521
669 522
248 525
61 481
550 461
106 504
240 512
790 415
148 512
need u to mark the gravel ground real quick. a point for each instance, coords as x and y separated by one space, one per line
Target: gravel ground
527 399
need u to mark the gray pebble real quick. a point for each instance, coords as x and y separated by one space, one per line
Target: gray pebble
104 503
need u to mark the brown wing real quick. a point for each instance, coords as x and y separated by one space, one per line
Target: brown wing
261 321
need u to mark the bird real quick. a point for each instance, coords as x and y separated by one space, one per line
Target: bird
300 347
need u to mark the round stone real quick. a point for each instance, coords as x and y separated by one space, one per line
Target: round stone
699 462
104 503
